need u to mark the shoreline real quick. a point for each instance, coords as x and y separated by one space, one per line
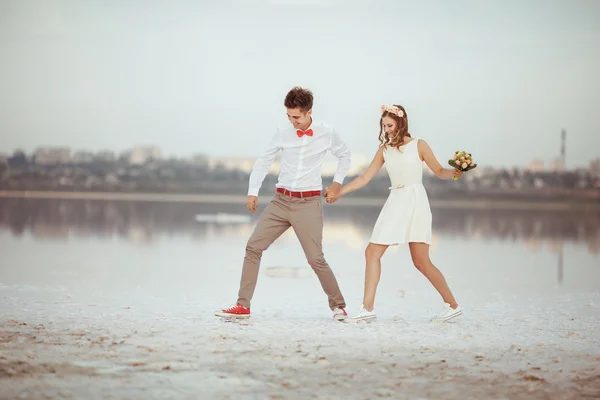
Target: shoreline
551 205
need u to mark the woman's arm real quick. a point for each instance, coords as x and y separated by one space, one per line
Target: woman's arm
366 176
427 155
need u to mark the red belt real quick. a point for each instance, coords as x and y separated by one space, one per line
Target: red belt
310 193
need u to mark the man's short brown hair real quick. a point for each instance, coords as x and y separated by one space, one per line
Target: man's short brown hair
299 98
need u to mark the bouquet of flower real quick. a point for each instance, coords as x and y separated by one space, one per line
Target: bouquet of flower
462 161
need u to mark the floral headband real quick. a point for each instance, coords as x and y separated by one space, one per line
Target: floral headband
393 109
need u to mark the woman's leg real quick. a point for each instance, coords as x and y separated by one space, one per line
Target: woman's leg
373 254
420 256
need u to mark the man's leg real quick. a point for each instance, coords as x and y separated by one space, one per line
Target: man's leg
306 217
273 222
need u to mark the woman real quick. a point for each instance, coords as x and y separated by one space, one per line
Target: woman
406 215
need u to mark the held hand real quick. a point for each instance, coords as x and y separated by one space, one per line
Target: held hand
330 197
252 204
332 193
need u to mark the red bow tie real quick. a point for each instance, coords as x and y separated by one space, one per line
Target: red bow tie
307 132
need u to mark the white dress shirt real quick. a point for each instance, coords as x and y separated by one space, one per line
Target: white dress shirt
301 158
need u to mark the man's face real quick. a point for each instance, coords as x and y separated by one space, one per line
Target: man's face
299 118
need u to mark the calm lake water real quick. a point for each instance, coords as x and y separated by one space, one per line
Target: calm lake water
114 251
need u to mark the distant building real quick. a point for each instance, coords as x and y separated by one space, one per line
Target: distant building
82 157
595 167
124 156
557 165
105 156
143 154
535 166
52 155
240 163
199 159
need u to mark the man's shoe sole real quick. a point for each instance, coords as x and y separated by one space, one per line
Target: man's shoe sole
226 315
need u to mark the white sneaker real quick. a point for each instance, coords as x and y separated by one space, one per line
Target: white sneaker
339 314
447 313
363 315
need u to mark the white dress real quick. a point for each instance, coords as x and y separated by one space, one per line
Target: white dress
406 215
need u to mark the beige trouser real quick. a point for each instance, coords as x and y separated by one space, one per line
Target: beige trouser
305 216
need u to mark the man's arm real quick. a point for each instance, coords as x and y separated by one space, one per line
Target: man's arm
339 149
263 164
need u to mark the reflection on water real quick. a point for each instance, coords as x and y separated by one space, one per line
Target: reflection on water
146 221
520 250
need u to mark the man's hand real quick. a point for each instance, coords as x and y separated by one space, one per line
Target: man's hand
252 203
332 193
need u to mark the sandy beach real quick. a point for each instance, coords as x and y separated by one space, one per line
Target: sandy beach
511 349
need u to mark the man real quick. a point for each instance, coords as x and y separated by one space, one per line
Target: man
297 202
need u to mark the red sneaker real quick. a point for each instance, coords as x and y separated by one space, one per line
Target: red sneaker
339 314
237 311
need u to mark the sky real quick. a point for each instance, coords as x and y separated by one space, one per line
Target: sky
498 79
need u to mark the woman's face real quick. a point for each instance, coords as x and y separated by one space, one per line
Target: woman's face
390 126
